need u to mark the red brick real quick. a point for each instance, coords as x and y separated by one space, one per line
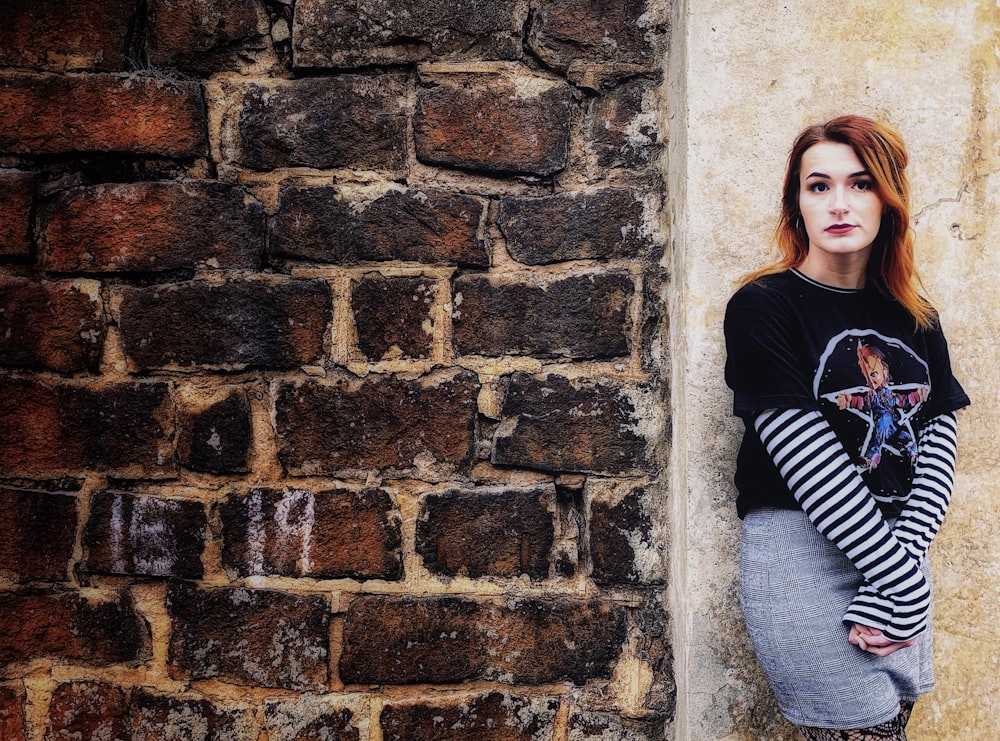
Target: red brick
87 710
620 125
324 535
16 197
492 126
598 225
59 36
272 323
622 546
345 424
144 535
216 437
45 325
392 316
67 627
325 122
49 429
333 33
487 532
248 637
582 316
573 35
310 718
493 717
154 717
203 37
11 713
37 534
150 227
51 114
429 226
554 424
441 640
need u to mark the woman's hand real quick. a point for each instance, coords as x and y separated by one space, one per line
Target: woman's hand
872 640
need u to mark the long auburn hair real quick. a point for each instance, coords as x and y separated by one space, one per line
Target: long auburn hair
881 150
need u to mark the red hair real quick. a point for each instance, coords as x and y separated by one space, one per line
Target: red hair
881 150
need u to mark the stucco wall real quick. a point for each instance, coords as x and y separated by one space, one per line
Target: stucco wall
746 77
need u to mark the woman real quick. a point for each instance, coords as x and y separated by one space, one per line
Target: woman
841 374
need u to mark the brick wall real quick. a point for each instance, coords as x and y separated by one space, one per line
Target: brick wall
332 396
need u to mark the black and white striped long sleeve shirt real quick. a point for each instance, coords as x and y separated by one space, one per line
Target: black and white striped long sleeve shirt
818 471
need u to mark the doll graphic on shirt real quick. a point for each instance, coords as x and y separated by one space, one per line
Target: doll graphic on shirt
885 405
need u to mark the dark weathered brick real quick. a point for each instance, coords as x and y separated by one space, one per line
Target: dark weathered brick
407 640
541 641
48 429
48 114
575 35
555 424
393 316
487 532
588 726
203 37
246 636
87 710
310 718
493 126
598 225
325 535
68 627
16 197
37 534
216 437
333 33
273 323
620 125
428 226
493 717
151 226
47 325
155 717
144 535
380 422
622 547
582 316
58 36
344 121
11 713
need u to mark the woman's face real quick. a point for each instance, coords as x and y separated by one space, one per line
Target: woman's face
841 211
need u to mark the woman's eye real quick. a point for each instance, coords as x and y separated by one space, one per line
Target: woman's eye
817 187
863 185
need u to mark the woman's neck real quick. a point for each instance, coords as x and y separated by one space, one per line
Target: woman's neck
844 273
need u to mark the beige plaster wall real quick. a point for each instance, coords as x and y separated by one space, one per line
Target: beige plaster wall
746 76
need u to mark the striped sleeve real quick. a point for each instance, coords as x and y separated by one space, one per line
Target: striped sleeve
819 473
930 494
933 480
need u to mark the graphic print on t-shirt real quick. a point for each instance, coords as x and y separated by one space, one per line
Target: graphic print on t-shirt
874 386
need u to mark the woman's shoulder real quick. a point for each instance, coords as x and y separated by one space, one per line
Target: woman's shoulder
773 289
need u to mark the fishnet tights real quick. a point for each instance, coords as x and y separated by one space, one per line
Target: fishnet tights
893 730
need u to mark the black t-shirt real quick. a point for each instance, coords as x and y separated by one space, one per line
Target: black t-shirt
857 356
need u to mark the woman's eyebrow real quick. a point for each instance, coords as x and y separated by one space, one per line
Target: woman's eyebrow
858 174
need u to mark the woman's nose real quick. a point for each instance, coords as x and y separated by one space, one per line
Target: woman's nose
839 200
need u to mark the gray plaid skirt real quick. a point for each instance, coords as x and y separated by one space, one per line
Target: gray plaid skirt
794 588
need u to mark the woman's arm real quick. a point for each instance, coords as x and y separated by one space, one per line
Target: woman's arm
930 493
933 480
821 477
